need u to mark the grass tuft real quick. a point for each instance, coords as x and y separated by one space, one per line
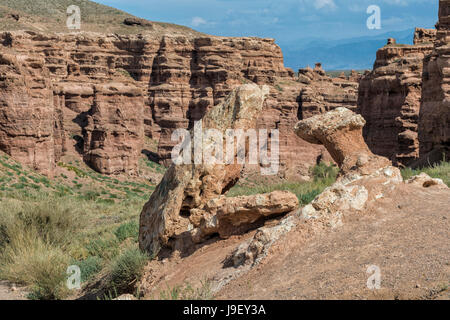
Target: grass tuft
127 269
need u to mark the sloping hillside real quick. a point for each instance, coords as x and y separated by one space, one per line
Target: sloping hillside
51 16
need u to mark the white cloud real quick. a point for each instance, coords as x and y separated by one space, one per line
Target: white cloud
197 21
318 4
329 4
397 2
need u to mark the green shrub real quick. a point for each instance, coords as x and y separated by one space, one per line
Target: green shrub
106 248
127 269
187 292
308 197
322 171
127 230
306 191
89 267
53 220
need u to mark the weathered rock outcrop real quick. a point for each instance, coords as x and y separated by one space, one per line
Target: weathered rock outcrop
180 77
434 121
187 206
425 181
389 100
322 93
424 36
364 178
365 195
227 216
340 131
404 98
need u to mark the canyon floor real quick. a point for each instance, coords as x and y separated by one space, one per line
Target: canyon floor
405 235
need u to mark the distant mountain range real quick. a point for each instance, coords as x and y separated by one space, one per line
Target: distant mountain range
353 53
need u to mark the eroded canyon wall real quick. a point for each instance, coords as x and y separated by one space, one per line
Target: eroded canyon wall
434 118
405 99
390 98
97 96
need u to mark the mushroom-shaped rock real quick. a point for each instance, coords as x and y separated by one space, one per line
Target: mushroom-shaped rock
340 131
165 219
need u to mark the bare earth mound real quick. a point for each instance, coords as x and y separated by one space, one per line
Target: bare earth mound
405 235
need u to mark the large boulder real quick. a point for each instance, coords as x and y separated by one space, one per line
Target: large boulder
340 131
185 209
227 216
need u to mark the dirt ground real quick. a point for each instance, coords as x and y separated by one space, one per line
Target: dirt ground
7 294
406 235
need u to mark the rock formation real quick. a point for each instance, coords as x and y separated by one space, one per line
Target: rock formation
26 130
187 206
404 98
425 181
369 191
389 100
340 131
322 93
180 78
434 118
364 178
115 123
423 36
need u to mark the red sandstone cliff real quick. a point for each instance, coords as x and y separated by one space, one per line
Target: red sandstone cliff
99 95
390 98
434 117
404 98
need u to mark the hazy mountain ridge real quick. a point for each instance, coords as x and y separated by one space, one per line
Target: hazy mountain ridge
353 53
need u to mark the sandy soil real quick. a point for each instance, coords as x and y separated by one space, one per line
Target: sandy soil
405 234
7 294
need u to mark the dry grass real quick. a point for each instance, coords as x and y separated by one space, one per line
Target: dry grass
48 224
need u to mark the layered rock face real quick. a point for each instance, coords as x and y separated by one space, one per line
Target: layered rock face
179 78
389 99
189 76
26 113
434 122
187 207
69 102
404 98
114 134
322 93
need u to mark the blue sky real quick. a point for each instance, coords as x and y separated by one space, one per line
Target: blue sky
290 22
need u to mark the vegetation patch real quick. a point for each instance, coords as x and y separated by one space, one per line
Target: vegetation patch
439 170
324 175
